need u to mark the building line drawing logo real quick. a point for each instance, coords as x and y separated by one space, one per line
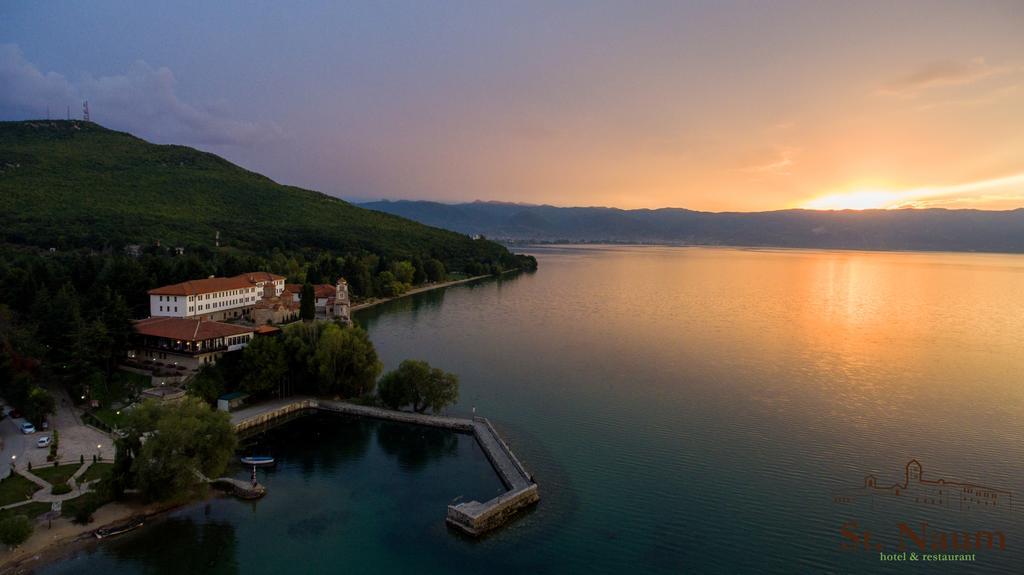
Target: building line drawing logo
941 492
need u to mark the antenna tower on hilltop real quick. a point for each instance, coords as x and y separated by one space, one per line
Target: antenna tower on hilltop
85 110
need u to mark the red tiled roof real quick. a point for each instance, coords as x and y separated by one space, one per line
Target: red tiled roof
209 285
323 290
319 290
196 287
267 330
254 277
187 329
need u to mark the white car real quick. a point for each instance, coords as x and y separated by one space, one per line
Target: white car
27 428
44 441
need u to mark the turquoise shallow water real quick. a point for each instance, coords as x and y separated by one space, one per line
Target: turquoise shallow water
684 411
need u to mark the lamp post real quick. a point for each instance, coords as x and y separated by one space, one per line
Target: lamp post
13 457
99 456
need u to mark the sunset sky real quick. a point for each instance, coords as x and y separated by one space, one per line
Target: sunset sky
705 105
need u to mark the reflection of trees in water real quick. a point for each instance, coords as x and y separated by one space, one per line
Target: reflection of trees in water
414 446
423 301
318 441
316 525
181 546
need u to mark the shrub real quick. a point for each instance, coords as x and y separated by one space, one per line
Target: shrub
61 489
15 530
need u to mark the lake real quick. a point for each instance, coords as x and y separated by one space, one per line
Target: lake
684 410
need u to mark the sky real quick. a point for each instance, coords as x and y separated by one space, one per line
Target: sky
717 106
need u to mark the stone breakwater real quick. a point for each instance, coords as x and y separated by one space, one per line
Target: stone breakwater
471 517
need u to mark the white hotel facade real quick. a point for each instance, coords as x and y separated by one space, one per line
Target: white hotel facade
213 299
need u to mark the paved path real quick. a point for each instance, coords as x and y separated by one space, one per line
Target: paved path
509 468
44 493
415 291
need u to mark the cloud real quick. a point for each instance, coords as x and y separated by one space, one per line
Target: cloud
143 100
942 73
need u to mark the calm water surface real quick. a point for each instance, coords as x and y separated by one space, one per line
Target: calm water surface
685 410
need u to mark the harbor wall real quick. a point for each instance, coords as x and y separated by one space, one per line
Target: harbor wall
471 517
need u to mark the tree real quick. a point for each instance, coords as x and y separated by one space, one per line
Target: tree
207 384
181 439
359 276
264 365
15 530
435 270
346 361
16 392
38 405
403 271
420 386
307 303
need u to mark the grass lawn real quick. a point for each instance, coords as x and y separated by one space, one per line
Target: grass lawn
16 488
56 475
96 471
108 416
30 510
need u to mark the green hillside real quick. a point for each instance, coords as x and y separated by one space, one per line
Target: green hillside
69 184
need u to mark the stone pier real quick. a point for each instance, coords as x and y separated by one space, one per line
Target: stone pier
472 517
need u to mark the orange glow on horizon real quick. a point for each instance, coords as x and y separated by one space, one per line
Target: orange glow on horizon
1007 189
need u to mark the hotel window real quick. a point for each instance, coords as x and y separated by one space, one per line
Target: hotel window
161 308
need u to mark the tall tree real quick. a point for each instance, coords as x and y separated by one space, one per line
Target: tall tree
435 270
264 366
346 361
307 303
182 438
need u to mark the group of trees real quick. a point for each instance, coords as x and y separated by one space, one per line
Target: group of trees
165 448
417 385
371 276
327 359
321 358
68 313
19 375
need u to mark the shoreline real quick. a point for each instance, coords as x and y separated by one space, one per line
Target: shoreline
414 291
65 538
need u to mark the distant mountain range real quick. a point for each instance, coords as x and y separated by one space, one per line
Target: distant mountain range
907 229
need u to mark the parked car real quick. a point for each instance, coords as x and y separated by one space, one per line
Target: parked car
44 441
27 428
46 425
15 413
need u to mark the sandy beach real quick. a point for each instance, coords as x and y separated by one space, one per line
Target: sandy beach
63 537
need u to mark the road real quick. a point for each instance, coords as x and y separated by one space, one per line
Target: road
76 439
14 442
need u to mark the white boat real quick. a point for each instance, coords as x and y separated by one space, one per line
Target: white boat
258 460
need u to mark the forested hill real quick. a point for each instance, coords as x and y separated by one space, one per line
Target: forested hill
70 184
909 229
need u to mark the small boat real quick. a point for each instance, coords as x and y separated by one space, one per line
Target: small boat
258 460
131 524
